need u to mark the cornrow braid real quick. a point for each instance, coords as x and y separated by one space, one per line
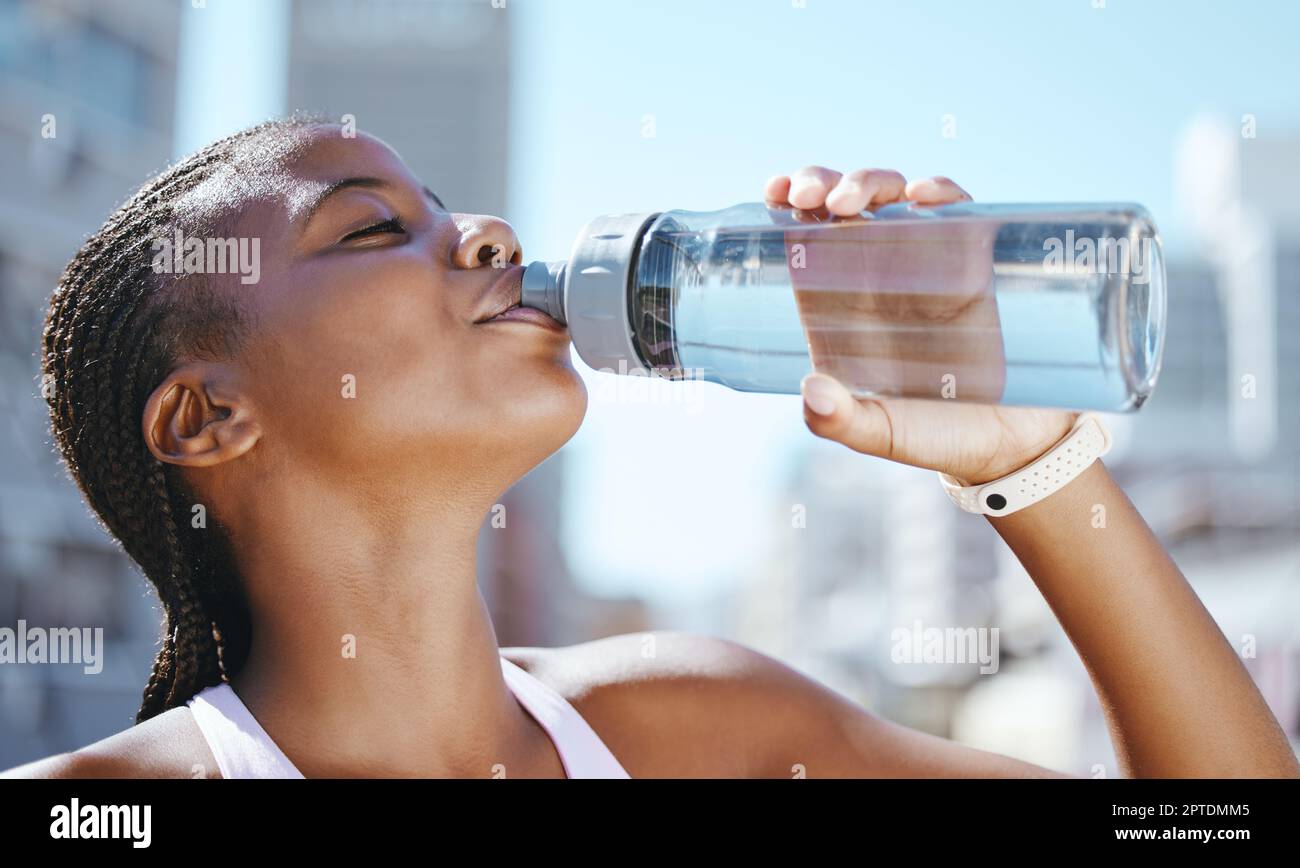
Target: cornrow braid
115 329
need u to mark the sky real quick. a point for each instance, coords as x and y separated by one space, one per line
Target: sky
622 107
619 106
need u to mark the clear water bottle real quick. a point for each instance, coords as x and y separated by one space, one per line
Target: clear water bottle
1034 305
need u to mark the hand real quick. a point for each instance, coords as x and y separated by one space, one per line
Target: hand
922 317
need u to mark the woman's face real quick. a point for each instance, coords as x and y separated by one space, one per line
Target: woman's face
372 346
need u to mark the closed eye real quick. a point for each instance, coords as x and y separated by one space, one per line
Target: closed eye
391 225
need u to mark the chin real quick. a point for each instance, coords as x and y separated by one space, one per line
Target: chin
543 415
564 395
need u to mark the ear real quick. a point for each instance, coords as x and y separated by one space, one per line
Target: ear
196 419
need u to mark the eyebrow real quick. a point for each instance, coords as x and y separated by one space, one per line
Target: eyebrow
434 196
363 183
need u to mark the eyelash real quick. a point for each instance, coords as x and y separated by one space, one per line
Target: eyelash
390 225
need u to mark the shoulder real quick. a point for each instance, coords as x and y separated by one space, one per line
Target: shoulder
671 704
169 745
676 704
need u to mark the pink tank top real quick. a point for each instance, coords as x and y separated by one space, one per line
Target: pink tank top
244 750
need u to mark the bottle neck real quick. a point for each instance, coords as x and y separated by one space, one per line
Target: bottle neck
543 288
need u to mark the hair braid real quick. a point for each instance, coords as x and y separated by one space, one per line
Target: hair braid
196 654
113 332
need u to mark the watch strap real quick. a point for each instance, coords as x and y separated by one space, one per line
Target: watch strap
1087 441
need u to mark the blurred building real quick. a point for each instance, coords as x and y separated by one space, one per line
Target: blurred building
87 109
430 78
86 104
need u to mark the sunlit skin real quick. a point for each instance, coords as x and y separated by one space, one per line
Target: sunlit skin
358 517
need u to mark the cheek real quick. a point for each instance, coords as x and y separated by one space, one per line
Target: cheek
374 360
351 371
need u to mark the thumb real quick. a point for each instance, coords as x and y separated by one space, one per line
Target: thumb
831 411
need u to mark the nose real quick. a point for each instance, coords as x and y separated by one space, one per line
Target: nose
484 241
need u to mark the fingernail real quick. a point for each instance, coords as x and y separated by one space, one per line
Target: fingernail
819 395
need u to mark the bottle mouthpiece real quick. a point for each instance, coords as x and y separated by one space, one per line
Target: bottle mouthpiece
543 288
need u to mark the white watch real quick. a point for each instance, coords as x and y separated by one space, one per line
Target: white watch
1087 441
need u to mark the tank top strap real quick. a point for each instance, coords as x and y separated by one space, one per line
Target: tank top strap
242 748
581 750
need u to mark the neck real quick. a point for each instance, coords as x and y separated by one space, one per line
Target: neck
373 652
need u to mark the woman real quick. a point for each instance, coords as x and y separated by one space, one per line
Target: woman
301 467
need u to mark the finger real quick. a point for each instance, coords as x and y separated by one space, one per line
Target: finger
862 188
809 186
935 191
832 412
777 190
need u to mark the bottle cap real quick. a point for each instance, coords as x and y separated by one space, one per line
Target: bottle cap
595 291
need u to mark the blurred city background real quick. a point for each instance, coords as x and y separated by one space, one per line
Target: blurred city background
679 512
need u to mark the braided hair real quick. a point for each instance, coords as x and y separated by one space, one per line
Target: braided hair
115 329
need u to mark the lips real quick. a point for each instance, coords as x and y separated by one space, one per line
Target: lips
501 303
502 295
532 315
502 313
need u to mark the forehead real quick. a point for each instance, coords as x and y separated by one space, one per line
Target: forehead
283 174
329 156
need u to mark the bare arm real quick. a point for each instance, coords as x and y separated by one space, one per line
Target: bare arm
1178 700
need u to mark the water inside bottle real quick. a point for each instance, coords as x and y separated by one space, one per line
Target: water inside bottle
1034 305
